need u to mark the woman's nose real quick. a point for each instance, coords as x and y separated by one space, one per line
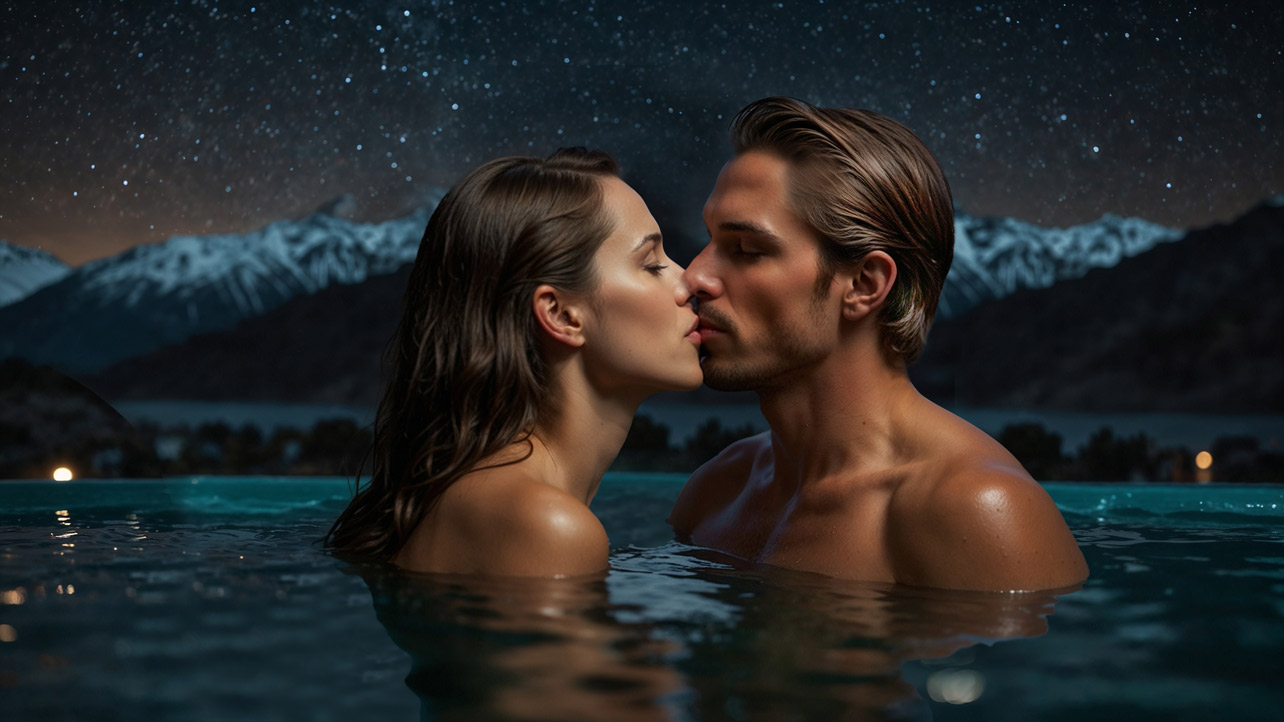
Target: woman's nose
680 290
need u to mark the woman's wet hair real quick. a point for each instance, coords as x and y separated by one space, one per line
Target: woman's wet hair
864 182
466 375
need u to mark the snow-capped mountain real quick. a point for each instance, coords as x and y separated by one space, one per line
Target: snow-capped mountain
23 271
255 272
1191 327
995 256
159 294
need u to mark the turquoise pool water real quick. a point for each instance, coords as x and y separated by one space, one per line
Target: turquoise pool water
206 599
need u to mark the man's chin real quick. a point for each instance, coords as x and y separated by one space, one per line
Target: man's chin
720 377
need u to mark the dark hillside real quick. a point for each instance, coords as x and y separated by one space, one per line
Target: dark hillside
1194 326
320 348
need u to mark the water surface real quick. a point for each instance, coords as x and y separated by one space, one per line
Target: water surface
206 599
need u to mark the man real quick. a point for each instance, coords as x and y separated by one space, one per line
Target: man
831 232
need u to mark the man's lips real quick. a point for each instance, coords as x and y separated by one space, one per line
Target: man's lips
707 330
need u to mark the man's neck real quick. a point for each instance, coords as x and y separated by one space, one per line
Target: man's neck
840 418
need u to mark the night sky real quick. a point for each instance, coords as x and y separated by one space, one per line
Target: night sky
124 125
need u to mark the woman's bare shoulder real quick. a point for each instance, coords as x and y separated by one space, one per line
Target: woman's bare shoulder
510 523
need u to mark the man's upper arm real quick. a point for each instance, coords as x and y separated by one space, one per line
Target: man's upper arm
988 528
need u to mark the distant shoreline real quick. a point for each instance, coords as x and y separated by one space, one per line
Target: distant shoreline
1195 431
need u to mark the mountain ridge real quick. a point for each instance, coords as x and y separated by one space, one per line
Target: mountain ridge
1192 326
24 270
997 256
1035 347
161 294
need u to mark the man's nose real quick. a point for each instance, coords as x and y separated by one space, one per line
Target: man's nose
701 277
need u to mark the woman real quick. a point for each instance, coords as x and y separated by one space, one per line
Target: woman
541 310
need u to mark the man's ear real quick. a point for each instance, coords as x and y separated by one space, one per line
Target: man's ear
559 319
867 285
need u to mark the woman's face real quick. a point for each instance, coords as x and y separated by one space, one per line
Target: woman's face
642 334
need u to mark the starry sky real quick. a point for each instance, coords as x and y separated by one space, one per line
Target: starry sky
127 123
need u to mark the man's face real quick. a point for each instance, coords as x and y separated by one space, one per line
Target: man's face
762 318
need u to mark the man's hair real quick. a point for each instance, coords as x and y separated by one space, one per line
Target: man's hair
864 182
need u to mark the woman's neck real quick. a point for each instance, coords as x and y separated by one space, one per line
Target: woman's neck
580 437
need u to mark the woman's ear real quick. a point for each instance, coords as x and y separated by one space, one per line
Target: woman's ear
560 320
868 284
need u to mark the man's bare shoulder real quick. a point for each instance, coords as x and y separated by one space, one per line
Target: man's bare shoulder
717 482
979 521
970 517
513 524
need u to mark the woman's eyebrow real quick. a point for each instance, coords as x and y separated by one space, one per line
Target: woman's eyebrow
655 238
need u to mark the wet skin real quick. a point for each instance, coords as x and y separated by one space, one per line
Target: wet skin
860 477
524 511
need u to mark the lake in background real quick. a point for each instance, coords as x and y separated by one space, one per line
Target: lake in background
1193 431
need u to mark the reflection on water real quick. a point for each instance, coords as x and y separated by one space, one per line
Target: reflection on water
207 599
520 649
679 633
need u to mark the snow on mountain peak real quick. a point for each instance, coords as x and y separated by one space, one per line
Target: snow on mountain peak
163 293
995 256
287 257
24 271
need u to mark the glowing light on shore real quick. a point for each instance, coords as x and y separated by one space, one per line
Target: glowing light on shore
8 633
62 473
956 686
1204 460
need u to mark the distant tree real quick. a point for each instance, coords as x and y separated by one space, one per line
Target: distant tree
647 435
284 449
1109 458
206 452
334 446
646 448
1268 467
140 457
1038 449
245 450
215 431
711 438
1241 459
1174 463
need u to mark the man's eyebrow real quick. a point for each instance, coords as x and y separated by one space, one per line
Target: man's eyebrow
655 238
747 227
